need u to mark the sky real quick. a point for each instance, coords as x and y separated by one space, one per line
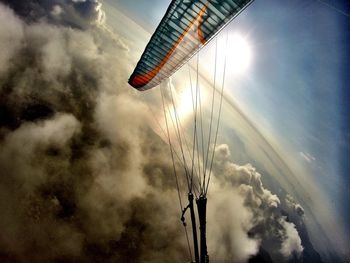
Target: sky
85 171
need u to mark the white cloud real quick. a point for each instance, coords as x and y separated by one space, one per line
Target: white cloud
56 10
307 157
292 241
259 213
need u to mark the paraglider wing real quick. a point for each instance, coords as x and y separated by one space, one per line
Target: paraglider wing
186 26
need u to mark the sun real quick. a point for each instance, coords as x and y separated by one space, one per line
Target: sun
239 54
185 102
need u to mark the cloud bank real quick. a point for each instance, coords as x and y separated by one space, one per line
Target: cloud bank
255 212
83 176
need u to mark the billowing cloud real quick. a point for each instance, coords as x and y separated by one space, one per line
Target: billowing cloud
260 217
83 176
229 222
292 242
78 178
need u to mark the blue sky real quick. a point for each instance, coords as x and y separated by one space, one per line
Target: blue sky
297 84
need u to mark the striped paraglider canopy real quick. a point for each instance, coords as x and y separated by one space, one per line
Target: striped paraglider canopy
186 26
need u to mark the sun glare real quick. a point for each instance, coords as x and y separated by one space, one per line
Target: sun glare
184 105
238 54
185 99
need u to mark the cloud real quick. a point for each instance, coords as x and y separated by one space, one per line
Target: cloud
228 224
11 36
78 14
264 224
292 242
84 178
307 157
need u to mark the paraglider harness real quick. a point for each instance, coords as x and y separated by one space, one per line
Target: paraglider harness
202 207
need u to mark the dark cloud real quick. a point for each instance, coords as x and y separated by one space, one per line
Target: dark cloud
77 158
76 13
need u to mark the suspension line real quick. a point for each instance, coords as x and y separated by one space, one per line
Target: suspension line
218 121
175 174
